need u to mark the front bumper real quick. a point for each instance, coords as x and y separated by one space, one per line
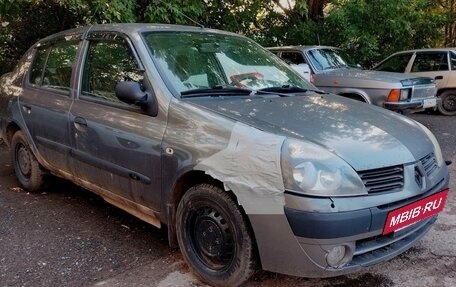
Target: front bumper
412 105
297 242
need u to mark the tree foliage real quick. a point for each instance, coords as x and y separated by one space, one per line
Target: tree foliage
368 29
371 29
24 22
448 10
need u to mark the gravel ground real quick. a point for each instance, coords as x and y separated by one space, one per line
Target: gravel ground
66 236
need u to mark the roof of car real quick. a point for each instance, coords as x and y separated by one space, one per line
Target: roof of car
426 50
133 28
300 47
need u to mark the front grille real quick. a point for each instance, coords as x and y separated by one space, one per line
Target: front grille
420 92
383 179
429 163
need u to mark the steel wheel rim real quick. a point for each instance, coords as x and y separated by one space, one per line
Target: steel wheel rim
23 160
449 103
212 238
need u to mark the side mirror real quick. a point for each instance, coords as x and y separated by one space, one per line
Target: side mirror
131 92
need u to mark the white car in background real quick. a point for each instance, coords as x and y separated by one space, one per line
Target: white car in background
439 63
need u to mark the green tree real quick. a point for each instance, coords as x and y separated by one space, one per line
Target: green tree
373 29
368 29
24 22
448 10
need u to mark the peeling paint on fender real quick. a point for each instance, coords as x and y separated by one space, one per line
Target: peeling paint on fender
250 167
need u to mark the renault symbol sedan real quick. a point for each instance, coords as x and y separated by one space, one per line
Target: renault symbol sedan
209 135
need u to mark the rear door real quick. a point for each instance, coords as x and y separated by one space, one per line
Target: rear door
116 146
46 99
433 64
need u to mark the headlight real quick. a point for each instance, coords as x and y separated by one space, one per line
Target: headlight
310 169
397 95
404 94
435 143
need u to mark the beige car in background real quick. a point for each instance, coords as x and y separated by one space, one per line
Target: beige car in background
439 63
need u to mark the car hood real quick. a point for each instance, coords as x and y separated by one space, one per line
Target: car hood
367 78
363 135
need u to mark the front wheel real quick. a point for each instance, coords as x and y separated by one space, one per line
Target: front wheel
214 237
447 103
26 166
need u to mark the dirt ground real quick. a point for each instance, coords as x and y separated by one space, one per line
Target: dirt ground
66 236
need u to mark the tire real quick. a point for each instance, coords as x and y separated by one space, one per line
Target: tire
447 103
214 237
26 166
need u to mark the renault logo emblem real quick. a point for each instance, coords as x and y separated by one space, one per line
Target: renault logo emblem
420 174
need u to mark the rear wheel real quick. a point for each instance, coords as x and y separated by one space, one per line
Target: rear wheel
26 166
214 237
447 103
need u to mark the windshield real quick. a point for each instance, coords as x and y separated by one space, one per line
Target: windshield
329 58
197 60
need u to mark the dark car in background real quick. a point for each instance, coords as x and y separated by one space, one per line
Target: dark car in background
331 71
437 63
209 135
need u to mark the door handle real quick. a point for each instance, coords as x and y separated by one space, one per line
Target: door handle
440 77
80 123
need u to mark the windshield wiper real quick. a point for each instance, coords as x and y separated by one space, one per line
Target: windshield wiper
286 90
215 91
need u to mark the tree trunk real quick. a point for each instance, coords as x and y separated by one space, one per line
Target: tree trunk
450 26
316 9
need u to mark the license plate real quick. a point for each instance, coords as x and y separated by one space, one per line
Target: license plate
414 212
429 103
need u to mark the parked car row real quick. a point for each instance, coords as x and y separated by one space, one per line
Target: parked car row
209 135
330 71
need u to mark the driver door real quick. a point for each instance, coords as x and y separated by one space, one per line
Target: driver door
116 146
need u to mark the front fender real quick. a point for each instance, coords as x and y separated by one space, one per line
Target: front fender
358 92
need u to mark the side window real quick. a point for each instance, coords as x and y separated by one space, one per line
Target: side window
36 72
108 62
293 58
429 62
52 66
397 63
453 60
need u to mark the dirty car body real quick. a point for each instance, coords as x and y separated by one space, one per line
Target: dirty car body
332 72
208 134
